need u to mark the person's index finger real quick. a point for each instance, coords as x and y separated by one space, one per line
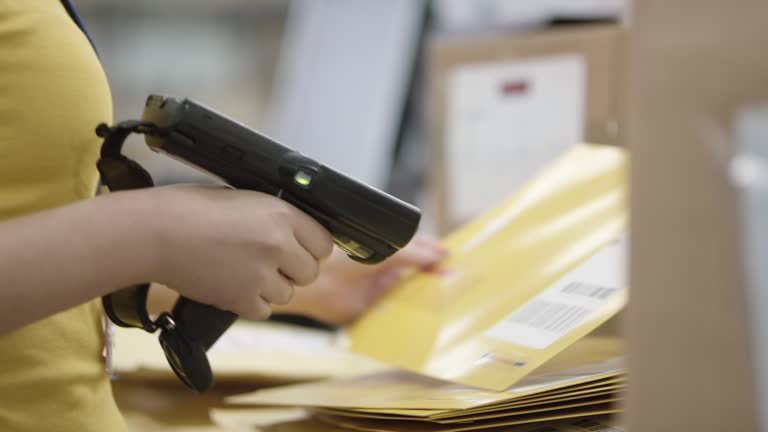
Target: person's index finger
312 235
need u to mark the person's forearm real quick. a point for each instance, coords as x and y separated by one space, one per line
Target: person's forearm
59 258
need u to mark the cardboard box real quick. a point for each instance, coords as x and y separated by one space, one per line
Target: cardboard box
502 106
693 67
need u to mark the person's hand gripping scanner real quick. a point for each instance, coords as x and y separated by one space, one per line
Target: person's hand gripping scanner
366 223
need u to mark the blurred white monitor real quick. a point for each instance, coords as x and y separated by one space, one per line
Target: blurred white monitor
342 81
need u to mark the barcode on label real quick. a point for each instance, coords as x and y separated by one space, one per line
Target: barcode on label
593 426
588 290
549 316
585 296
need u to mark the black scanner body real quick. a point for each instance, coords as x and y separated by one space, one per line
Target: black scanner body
368 224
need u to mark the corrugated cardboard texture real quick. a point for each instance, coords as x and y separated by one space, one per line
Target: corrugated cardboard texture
693 63
600 44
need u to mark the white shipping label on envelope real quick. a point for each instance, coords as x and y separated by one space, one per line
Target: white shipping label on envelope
568 302
504 122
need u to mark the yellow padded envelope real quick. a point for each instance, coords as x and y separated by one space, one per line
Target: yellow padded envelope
522 282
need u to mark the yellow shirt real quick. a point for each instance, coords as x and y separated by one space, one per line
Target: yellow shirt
53 93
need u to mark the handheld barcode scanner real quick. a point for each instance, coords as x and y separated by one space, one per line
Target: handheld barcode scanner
367 224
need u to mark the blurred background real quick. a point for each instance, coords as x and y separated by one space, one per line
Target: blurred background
363 85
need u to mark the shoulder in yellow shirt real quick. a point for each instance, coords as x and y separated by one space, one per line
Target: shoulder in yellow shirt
53 93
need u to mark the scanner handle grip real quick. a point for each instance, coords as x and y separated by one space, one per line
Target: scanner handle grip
207 323
186 337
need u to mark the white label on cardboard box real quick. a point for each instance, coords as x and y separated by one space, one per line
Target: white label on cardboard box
568 302
504 122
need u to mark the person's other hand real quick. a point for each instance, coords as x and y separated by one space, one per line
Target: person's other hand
237 250
345 288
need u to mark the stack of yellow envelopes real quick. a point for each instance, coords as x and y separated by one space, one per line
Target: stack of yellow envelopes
299 420
403 401
498 335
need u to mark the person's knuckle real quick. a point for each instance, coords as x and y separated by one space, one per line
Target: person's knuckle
282 211
258 309
274 241
312 272
285 294
226 298
278 293
327 247
304 275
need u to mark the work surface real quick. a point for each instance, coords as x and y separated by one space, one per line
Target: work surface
169 406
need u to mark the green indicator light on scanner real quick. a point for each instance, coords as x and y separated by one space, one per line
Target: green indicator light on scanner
302 178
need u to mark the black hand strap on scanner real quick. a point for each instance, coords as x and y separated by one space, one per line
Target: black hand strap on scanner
185 341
